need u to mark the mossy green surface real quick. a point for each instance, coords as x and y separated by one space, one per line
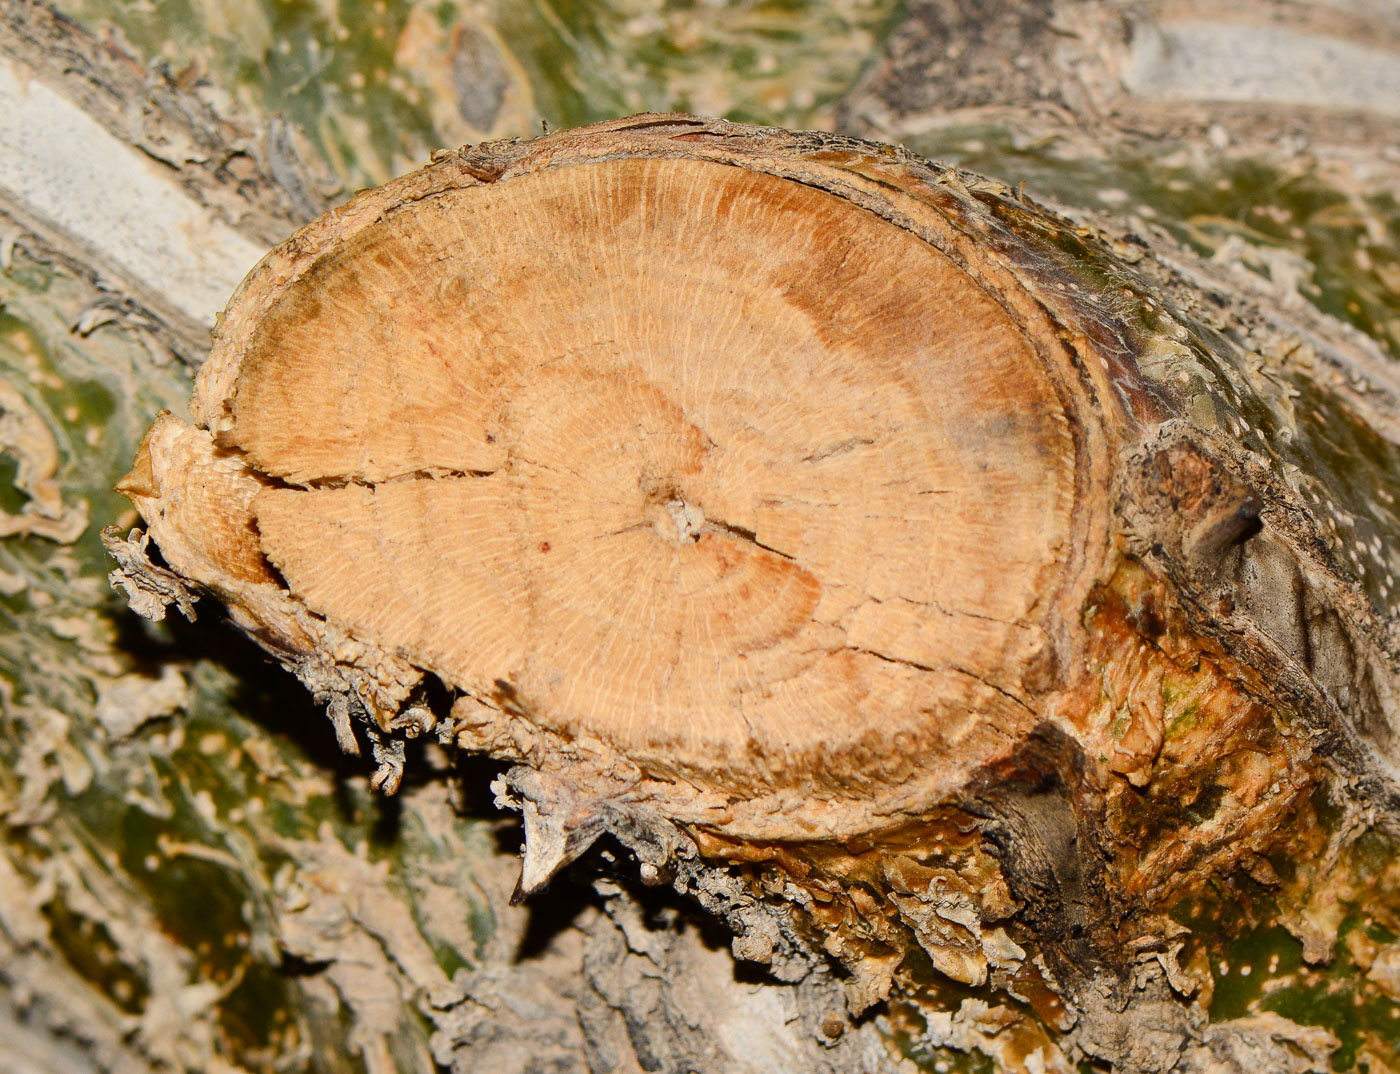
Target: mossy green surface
1346 241
184 819
373 86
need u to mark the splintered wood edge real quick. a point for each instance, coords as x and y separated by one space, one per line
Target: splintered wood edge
818 794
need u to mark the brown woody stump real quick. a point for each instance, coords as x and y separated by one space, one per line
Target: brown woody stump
769 499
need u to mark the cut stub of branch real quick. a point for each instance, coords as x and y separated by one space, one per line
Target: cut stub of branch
808 505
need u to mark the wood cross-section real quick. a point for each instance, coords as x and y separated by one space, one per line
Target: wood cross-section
731 473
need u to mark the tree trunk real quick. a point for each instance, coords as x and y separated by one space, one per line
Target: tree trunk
1144 819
